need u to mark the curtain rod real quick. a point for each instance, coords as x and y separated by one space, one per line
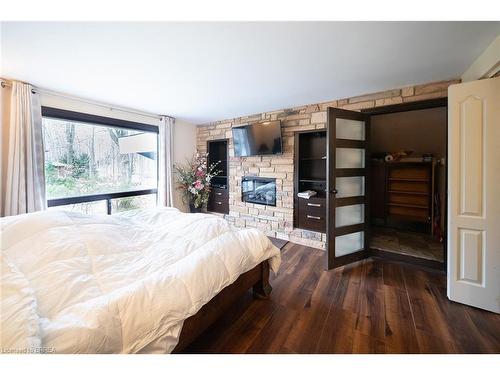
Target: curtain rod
103 105
6 83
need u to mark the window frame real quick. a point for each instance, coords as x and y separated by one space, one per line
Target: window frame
86 118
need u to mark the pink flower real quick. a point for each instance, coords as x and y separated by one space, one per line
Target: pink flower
199 173
198 185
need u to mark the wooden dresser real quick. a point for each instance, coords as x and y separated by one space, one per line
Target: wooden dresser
403 191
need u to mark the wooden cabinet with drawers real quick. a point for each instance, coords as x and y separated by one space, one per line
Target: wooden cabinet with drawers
312 214
310 174
218 201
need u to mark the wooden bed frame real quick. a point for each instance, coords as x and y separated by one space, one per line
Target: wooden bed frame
257 278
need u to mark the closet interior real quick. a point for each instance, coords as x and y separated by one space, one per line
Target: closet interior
408 182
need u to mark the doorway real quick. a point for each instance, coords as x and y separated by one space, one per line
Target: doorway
408 172
394 200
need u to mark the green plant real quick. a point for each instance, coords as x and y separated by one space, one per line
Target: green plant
78 165
194 179
125 204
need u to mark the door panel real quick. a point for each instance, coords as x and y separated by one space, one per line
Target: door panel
349 215
350 186
474 191
471 155
349 243
350 158
350 129
347 159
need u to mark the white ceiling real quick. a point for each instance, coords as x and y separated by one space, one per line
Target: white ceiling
200 72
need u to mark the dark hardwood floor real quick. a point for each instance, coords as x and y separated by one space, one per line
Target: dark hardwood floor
372 306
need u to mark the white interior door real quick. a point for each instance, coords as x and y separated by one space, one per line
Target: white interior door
474 193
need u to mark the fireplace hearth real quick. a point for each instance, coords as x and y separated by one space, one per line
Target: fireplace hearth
258 190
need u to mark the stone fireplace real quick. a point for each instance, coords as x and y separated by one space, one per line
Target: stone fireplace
258 190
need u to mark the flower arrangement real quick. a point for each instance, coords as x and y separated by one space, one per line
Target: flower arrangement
194 180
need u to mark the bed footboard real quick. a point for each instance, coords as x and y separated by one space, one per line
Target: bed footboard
262 288
257 279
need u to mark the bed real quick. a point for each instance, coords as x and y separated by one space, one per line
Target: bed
125 283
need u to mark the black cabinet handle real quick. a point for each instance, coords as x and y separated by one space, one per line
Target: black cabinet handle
334 191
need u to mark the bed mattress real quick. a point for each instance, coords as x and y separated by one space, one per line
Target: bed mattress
73 283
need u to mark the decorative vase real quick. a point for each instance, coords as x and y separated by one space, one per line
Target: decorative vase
194 209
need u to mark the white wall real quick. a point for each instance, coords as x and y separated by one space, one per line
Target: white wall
487 64
184 148
184 132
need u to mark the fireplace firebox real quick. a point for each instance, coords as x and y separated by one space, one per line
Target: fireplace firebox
258 190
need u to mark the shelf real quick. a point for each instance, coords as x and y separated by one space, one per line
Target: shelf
314 159
407 192
408 205
409 179
312 180
420 219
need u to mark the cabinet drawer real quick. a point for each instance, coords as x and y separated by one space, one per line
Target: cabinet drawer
312 222
219 193
218 205
313 206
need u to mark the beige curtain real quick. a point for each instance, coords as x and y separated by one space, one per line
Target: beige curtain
23 180
165 161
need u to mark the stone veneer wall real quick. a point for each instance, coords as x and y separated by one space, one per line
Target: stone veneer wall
278 221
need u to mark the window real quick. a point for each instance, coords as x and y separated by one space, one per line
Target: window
96 164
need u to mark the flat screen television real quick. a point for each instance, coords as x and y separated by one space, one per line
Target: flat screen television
262 138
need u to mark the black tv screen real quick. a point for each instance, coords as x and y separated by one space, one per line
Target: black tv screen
257 139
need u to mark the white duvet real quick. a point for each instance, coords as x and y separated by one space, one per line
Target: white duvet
115 284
